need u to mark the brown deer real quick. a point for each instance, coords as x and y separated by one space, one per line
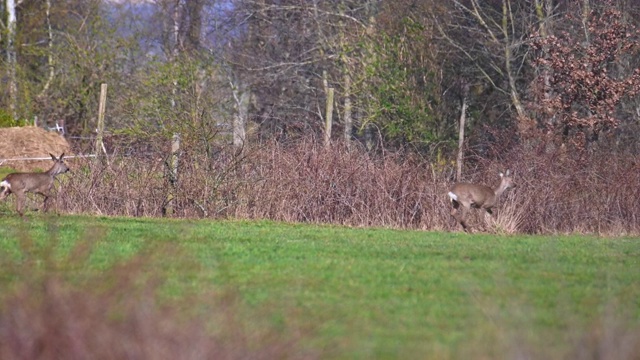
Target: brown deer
465 196
38 183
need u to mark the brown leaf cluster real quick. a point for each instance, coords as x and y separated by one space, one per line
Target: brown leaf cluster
579 87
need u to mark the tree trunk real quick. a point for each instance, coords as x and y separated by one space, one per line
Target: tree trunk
11 58
172 163
586 11
463 120
508 58
348 120
172 167
47 84
328 117
242 98
544 13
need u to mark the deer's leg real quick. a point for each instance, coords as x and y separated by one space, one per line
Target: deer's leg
459 212
488 216
463 217
454 207
20 197
48 197
455 210
45 202
466 206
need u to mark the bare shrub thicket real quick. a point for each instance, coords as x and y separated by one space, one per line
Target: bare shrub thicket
557 191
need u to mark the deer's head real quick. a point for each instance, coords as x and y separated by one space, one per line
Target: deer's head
506 183
59 167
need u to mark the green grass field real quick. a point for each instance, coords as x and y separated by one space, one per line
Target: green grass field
358 293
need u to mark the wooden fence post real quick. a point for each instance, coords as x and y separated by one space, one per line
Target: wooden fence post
99 145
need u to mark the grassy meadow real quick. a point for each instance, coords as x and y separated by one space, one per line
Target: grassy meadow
308 291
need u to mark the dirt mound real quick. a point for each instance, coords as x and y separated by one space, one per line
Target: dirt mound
30 142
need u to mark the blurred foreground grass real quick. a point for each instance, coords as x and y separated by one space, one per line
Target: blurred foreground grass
297 291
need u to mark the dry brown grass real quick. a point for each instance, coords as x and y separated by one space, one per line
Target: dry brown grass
30 142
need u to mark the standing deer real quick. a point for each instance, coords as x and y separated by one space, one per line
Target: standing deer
476 196
38 183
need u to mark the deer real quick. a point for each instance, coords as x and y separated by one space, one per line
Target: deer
33 182
465 196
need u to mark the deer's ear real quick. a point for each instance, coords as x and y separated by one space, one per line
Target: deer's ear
507 172
53 156
62 155
501 175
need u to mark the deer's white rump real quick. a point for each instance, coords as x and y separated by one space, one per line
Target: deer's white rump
465 196
4 187
38 183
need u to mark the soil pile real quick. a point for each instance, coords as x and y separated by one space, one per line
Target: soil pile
30 142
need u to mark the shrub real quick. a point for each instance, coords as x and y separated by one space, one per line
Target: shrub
304 181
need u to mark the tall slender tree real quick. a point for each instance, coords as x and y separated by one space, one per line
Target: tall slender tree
12 86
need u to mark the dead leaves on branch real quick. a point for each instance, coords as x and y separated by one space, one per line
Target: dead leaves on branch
582 80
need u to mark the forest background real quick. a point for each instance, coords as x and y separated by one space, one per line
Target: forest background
355 112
